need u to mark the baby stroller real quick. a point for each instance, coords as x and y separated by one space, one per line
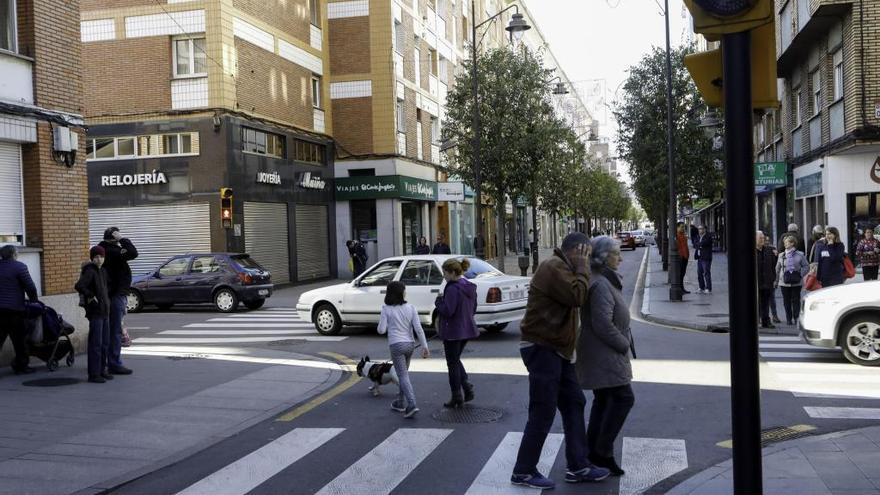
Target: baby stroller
48 335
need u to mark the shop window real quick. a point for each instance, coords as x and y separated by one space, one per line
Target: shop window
305 151
261 142
8 38
190 58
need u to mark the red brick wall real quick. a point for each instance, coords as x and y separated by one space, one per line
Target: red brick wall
349 45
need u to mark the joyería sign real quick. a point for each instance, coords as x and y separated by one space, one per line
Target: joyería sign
273 178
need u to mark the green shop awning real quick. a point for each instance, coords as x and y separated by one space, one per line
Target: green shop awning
385 186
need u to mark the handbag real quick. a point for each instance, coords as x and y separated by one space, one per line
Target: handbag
811 282
791 277
849 271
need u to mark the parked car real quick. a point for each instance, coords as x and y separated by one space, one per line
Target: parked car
501 298
627 240
640 237
845 316
223 279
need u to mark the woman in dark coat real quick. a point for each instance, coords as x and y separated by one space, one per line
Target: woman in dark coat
92 288
423 247
829 255
603 354
456 308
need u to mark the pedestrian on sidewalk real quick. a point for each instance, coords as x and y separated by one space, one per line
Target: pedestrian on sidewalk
94 297
695 234
774 314
703 255
480 246
683 254
766 261
441 247
830 253
119 251
603 354
868 252
15 282
794 231
423 247
549 339
455 308
791 268
399 320
817 235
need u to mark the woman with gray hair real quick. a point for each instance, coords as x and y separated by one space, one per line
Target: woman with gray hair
603 353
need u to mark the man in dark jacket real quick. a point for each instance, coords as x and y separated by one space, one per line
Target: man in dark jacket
703 255
479 246
794 231
549 337
441 247
766 265
15 282
119 252
94 295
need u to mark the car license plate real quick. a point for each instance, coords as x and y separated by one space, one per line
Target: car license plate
517 294
263 292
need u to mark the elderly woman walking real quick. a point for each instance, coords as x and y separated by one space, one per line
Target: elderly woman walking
603 354
791 268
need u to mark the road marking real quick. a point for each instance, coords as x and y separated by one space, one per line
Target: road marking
495 477
228 340
384 467
820 367
812 395
250 471
802 355
137 328
237 332
816 378
647 461
779 339
843 412
348 365
250 325
258 320
762 345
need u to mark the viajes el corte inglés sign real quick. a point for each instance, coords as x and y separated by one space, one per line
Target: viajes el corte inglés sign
155 177
385 186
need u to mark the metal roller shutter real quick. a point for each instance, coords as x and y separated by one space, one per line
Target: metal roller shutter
11 212
266 238
312 242
158 232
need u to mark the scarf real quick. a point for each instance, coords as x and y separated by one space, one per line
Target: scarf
789 260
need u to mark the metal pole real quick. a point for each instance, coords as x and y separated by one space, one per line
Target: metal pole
477 128
676 289
744 376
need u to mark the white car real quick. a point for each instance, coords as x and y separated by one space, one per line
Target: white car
639 236
845 316
501 299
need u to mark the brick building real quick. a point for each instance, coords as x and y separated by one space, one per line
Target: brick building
183 98
43 198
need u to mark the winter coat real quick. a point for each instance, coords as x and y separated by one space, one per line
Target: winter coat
441 248
682 245
795 260
423 249
867 252
799 244
556 292
703 247
766 264
359 258
456 308
830 260
603 351
93 288
116 265
15 281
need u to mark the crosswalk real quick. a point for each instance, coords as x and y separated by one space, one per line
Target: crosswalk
262 326
391 462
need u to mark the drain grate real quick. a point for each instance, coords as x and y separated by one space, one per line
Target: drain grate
51 382
714 315
468 415
782 433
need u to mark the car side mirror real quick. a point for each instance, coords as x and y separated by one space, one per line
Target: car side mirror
156 274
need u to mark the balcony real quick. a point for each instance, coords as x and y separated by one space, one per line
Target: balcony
17 83
816 27
816 131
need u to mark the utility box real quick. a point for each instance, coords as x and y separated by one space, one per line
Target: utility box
65 139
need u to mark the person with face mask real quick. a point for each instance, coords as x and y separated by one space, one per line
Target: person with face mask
95 299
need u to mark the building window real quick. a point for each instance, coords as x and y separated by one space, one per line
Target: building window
401 116
399 38
435 130
314 13
443 70
261 142
417 63
157 145
817 92
190 59
304 151
177 144
837 61
125 147
434 62
796 108
316 91
8 35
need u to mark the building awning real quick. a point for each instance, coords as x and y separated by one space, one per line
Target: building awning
706 208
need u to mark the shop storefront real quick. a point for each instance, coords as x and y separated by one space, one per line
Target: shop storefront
771 182
460 204
809 202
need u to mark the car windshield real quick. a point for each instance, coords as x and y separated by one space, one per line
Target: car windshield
247 262
480 269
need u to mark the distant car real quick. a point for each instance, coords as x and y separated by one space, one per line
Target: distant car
627 240
223 279
501 299
845 316
640 237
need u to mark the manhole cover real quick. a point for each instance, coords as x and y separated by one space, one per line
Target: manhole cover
187 356
286 342
51 382
714 315
468 414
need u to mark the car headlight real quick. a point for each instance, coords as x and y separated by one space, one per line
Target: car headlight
823 304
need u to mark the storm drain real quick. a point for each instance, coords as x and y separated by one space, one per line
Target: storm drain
51 382
713 315
782 433
468 415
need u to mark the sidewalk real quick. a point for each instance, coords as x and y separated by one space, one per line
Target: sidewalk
846 462
85 438
705 312
511 262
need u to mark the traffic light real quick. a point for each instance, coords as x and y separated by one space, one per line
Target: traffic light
712 18
226 207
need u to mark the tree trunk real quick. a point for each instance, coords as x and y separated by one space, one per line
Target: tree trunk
664 241
535 243
555 234
500 245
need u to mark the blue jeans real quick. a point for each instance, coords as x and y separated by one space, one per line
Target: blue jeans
117 313
553 384
704 274
401 353
99 340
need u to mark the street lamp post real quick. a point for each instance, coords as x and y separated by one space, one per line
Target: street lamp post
676 288
517 26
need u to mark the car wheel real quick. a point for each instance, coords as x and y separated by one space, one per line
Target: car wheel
327 320
164 307
225 300
496 328
860 340
134 302
255 304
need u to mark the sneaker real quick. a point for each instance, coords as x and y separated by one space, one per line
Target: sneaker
700 291
410 412
398 406
587 474
120 370
536 480
106 376
97 379
776 319
708 291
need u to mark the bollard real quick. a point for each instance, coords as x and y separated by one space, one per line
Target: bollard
523 265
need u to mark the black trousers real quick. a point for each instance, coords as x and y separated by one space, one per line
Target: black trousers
764 297
870 272
458 377
683 264
12 324
791 299
610 408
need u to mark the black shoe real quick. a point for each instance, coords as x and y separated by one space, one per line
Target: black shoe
97 379
468 392
789 322
454 403
106 376
120 370
685 291
607 462
27 370
776 319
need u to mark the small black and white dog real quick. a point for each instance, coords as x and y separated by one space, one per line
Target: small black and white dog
379 372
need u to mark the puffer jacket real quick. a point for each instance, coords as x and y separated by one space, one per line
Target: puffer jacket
92 288
456 308
605 341
15 281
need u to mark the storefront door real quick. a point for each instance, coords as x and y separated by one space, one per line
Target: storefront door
412 227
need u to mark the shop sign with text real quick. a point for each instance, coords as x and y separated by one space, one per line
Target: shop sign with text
309 181
385 186
808 185
155 177
771 175
450 191
273 178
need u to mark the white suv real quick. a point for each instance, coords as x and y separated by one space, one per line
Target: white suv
845 316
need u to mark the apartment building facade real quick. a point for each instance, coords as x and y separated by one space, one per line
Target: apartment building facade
43 199
183 98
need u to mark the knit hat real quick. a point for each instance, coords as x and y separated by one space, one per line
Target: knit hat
96 251
573 240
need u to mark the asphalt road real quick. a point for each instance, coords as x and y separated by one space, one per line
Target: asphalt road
354 443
